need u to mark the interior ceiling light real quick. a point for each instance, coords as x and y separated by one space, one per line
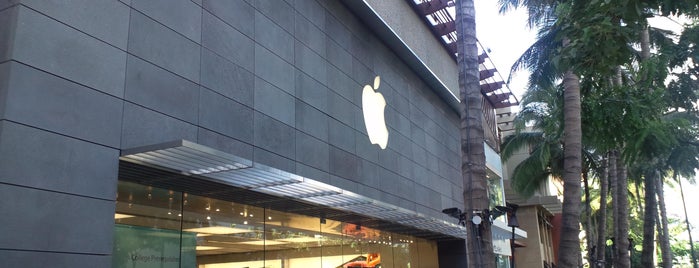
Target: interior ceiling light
263 242
208 248
217 230
118 216
300 239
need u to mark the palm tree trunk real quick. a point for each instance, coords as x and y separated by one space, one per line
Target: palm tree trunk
645 43
569 247
602 214
589 229
615 201
623 259
665 235
649 221
639 206
621 200
480 247
658 235
649 181
689 230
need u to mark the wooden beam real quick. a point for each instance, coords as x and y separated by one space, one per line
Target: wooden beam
482 57
495 98
432 6
504 104
445 28
490 87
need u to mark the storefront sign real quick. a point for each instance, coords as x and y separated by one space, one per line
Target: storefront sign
140 247
501 241
373 105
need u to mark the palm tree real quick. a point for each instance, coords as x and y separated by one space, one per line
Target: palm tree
543 13
682 95
581 24
569 248
667 8
480 247
652 78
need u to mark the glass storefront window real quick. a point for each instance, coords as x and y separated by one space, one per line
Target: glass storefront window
496 191
502 261
147 228
366 247
291 240
223 230
427 253
163 228
332 243
403 245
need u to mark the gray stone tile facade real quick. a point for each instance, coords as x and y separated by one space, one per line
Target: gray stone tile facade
279 83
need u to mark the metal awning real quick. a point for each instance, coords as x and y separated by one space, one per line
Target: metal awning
207 171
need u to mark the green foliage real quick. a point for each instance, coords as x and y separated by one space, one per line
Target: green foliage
679 242
612 116
682 93
676 7
683 159
598 38
687 49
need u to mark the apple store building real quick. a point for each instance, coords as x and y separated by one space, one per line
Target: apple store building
227 133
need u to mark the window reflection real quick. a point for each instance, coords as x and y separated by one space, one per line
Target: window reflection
147 228
426 252
163 228
403 245
496 192
502 261
366 247
332 243
225 231
292 240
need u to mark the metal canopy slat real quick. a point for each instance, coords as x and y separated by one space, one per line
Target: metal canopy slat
195 165
154 160
220 167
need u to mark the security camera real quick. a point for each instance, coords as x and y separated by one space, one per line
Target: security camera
452 212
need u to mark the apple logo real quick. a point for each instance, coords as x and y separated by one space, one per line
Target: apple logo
373 105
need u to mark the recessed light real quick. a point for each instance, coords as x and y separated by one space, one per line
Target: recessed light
208 248
118 216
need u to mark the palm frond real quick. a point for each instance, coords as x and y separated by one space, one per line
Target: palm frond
537 59
528 176
539 11
518 141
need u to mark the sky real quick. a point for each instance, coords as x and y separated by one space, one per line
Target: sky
506 36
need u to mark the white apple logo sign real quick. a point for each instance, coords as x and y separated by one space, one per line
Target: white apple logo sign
373 105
